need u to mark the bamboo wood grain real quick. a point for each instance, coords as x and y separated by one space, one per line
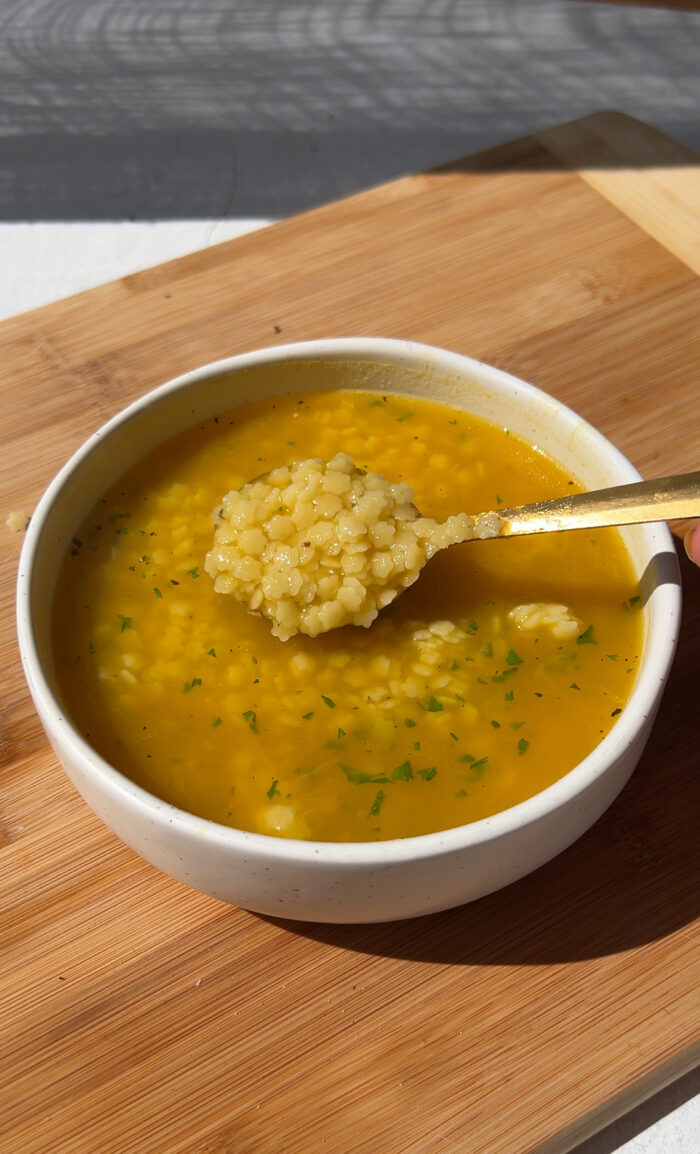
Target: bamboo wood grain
138 1016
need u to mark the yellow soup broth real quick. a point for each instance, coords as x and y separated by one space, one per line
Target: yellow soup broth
444 711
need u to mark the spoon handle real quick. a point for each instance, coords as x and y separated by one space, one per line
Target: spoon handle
662 499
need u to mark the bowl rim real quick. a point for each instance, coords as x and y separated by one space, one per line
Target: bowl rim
639 709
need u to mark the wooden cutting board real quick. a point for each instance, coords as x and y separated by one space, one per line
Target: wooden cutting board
139 1016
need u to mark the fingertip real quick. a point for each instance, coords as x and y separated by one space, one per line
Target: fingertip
691 541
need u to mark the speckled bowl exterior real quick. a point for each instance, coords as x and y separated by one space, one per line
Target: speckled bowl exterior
345 882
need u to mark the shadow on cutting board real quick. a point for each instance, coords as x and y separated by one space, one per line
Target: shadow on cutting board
633 878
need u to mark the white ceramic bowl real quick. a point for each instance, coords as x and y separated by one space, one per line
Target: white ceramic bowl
343 882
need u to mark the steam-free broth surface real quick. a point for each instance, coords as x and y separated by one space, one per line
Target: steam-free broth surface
449 708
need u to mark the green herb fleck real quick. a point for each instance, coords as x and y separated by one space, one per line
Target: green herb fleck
586 638
211 652
574 685
510 695
377 803
416 745
478 767
512 658
127 622
454 736
189 685
402 772
145 558
328 701
251 717
611 656
428 774
273 788
499 500
157 592
117 517
496 724
434 706
409 723
523 745
472 627
359 777
404 417
307 716
123 530
341 733
216 722
454 665
487 649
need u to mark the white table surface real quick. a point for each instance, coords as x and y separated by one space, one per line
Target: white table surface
132 133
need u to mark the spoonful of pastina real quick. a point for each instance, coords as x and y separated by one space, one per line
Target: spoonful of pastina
319 544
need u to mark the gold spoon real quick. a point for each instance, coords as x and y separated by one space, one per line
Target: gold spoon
661 499
329 567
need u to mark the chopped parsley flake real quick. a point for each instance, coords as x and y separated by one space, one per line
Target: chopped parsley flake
157 592
341 733
409 723
216 722
211 652
512 658
496 724
510 695
402 772
523 745
586 638
359 777
307 716
428 774
127 622
328 701
480 764
434 706
273 788
251 717
377 803
574 685
189 685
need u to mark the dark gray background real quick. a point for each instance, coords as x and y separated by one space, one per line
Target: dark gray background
169 109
